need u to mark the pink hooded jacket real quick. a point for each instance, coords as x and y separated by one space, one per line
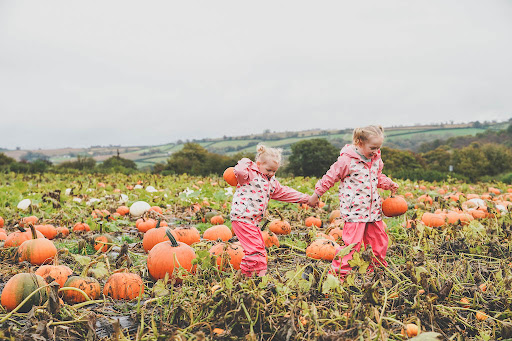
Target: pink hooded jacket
254 190
359 198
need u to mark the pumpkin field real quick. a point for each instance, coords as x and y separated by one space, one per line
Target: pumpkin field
150 257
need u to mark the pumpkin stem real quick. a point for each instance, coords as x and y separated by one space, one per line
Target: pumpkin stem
158 223
20 228
279 214
33 230
86 269
169 235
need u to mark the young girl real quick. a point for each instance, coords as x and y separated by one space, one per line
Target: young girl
256 185
359 168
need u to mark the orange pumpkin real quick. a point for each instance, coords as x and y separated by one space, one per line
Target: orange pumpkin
100 242
334 215
62 231
270 238
218 232
156 209
229 252
88 285
17 238
229 176
123 210
187 234
432 219
81 227
280 226
425 198
36 250
1 222
336 233
166 256
155 236
58 273
394 206
3 235
47 230
310 221
26 221
410 330
322 249
124 286
217 220
19 287
145 225
481 316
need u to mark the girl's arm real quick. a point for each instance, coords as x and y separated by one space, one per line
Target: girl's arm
288 194
385 182
339 170
242 172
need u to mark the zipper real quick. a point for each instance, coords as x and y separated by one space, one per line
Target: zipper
371 191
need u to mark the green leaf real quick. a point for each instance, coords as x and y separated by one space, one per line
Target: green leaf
427 336
160 287
82 260
330 283
359 262
99 271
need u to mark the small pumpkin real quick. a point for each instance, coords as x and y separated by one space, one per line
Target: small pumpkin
270 238
1 222
187 234
19 287
145 225
227 252
81 227
229 176
481 316
156 209
217 220
166 256
432 219
218 232
17 238
62 231
394 206
280 226
58 273
123 210
89 285
322 249
155 236
410 330
124 286
26 221
336 233
138 208
49 231
334 215
310 221
100 242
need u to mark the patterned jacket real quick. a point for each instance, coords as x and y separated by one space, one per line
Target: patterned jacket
254 190
359 197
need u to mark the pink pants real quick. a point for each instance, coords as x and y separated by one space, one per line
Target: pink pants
372 233
255 260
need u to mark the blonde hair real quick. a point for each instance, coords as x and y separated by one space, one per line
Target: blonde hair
361 135
264 153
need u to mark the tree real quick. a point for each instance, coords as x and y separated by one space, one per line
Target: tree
438 159
470 161
5 160
311 157
398 160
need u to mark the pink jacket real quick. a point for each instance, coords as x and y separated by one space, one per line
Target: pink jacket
359 198
254 190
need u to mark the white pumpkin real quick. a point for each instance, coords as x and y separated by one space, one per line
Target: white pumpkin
24 204
151 189
138 208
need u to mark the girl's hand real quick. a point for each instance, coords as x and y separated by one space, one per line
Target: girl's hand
394 187
313 200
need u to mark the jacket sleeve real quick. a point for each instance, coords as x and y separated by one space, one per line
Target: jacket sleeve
384 182
339 170
288 194
242 171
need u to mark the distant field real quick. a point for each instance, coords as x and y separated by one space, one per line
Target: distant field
144 156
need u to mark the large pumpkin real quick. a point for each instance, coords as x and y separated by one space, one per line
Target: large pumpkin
37 250
229 176
124 286
49 231
230 252
218 232
166 256
19 287
394 206
88 285
432 219
58 273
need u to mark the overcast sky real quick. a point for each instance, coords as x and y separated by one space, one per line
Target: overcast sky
82 73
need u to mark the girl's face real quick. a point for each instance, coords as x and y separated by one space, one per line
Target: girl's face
370 147
268 167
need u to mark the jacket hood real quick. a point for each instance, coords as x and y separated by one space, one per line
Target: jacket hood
350 150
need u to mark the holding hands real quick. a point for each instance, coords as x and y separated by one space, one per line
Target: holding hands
393 187
313 200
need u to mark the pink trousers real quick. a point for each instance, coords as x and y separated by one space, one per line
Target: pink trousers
255 259
372 233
